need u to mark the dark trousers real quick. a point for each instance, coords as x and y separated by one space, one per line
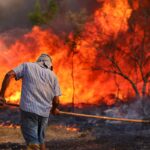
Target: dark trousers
33 127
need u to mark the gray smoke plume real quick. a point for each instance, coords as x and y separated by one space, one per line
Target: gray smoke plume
71 13
14 13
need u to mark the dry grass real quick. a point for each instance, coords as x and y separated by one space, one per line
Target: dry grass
59 138
12 135
55 133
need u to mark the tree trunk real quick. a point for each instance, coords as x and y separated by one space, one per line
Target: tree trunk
135 89
137 93
144 88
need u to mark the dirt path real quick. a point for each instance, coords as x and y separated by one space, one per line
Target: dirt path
59 138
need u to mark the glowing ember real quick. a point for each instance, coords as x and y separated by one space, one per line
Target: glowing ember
3 125
68 128
72 129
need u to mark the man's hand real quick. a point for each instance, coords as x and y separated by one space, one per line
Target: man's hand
55 103
2 100
55 111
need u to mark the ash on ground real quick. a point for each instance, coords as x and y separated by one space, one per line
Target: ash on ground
115 134
138 109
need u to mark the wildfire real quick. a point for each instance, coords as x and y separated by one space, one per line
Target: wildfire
113 16
89 86
14 97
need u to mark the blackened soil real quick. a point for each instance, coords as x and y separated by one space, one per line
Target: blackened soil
123 142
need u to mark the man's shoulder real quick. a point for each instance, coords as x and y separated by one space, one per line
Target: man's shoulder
29 64
54 76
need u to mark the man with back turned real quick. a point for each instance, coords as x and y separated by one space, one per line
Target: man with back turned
40 95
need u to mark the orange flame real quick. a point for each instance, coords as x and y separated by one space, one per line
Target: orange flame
90 87
73 129
3 125
68 128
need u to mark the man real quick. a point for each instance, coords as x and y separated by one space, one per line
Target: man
40 94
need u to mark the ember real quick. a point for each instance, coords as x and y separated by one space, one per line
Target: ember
9 125
68 128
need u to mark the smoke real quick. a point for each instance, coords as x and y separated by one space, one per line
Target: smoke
13 14
77 5
67 9
14 20
8 3
138 109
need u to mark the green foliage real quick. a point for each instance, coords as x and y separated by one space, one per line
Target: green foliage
52 9
36 17
39 17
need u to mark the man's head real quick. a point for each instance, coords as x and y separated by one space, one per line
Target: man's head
45 60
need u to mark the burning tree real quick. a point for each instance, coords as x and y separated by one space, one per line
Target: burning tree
77 21
126 52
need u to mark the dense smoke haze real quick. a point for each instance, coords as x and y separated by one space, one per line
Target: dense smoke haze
14 14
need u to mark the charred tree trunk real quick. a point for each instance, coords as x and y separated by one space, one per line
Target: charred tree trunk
145 82
118 70
144 88
73 82
137 93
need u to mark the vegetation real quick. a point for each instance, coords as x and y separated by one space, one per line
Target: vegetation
39 16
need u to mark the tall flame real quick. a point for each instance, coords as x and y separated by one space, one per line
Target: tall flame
89 87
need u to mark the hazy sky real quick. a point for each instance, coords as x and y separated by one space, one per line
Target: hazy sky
14 13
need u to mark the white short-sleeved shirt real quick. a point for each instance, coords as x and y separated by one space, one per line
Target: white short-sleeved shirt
39 86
